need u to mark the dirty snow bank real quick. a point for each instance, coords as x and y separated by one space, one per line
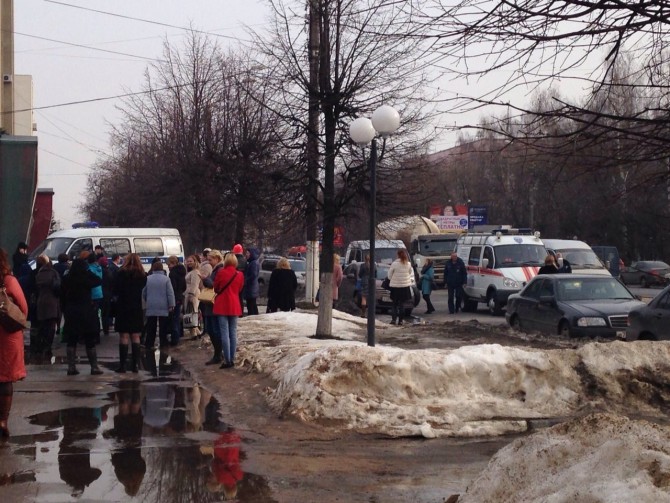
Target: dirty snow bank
598 458
473 390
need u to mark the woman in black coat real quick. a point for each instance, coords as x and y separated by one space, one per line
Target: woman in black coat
81 314
129 322
282 287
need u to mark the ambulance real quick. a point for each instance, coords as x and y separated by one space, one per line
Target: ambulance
499 263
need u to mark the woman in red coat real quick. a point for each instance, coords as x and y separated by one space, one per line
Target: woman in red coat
12 367
228 284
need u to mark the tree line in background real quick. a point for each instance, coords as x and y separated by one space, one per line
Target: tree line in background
217 146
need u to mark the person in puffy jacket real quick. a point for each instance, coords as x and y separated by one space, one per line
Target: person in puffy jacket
251 288
158 296
401 276
455 276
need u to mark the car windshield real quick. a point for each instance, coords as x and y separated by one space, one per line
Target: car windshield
52 248
385 255
382 271
297 265
518 255
435 247
596 288
582 259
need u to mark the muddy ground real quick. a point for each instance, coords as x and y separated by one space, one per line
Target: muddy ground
319 462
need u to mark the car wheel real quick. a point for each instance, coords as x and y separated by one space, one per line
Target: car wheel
564 329
469 305
495 308
647 336
643 282
260 281
516 323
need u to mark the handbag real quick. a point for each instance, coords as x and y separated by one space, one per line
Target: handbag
386 284
207 295
191 320
12 318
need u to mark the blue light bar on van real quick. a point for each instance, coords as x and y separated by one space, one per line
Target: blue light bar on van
86 225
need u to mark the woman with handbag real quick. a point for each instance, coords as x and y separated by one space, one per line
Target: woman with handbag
400 277
191 301
12 366
211 326
228 283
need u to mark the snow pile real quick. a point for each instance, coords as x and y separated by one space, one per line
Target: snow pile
598 458
473 390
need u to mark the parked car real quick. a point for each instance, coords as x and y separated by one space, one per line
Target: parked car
646 273
651 322
574 305
268 263
383 297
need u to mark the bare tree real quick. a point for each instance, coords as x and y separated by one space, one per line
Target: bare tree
361 65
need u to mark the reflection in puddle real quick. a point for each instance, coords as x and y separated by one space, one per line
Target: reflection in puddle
156 441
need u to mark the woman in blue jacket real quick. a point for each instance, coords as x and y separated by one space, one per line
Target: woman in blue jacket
427 278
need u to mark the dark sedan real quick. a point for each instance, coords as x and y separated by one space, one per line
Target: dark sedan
646 273
573 305
651 322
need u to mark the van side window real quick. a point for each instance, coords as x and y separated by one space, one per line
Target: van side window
488 253
80 245
359 256
149 247
475 252
115 245
172 247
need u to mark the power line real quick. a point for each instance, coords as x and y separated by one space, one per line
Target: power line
145 20
87 47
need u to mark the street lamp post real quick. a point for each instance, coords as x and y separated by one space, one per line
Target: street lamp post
385 121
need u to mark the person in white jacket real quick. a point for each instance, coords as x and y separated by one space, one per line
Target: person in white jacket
401 277
159 299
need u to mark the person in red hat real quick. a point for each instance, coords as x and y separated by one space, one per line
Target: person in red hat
241 266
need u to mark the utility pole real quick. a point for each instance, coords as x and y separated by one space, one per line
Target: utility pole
311 212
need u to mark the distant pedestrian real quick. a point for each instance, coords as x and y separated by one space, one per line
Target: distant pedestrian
207 308
12 366
251 288
281 287
364 272
61 267
177 277
238 250
80 312
19 258
337 277
455 276
227 285
193 285
107 294
47 284
549 266
129 321
158 297
427 279
96 292
401 277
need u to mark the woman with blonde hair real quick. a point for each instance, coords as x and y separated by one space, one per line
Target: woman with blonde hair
129 322
337 277
193 284
281 288
227 308
211 326
401 276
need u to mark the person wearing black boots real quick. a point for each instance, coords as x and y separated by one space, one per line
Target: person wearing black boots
81 314
130 281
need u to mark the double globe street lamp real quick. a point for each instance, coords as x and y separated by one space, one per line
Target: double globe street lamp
385 121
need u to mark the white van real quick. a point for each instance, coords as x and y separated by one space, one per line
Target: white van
499 263
581 257
148 243
386 250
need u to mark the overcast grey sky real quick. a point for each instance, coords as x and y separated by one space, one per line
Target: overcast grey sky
48 41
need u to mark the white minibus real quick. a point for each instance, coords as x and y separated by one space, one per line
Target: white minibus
148 243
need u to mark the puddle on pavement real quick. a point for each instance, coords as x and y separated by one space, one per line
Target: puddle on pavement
157 440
